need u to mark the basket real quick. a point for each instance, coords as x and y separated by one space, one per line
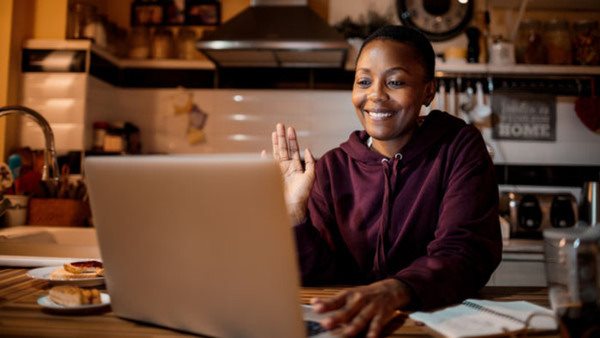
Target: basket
58 212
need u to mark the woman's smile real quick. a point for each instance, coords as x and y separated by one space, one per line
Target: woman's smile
379 114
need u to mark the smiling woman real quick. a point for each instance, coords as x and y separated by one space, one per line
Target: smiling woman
406 208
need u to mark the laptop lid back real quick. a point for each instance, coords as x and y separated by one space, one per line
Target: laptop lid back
197 243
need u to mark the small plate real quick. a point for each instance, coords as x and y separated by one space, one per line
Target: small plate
46 303
44 274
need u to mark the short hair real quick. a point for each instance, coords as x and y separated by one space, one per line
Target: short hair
411 37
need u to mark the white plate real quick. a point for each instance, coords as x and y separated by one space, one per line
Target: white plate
45 302
44 274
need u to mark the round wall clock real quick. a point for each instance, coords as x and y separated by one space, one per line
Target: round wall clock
437 19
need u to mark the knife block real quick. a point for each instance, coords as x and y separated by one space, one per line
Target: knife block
58 212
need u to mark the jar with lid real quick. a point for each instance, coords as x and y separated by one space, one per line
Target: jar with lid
186 44
558 42
586 42
529 46
79 16
139 43
162 43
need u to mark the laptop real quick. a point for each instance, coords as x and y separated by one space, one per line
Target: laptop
201 244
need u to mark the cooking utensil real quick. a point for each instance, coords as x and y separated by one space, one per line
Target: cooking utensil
481 111
452 99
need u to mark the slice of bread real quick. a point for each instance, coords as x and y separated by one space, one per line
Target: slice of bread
62 274
83 266
69 295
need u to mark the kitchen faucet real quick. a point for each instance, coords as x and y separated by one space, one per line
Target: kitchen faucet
50 169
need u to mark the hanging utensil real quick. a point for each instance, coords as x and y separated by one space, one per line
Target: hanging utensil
481 111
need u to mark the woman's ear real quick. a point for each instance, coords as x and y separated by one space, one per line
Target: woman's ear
429 92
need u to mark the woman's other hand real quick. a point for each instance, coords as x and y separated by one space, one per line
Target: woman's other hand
363 309
298 181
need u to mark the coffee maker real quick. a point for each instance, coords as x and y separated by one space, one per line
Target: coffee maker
531 209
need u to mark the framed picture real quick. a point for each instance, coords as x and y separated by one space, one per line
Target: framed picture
203 12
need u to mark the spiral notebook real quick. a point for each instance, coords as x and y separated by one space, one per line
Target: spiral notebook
477 318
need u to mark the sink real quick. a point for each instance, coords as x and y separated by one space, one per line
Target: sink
46 246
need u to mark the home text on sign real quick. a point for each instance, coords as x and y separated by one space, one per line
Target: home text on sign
524 117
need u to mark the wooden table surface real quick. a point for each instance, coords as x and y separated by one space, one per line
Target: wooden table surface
20 316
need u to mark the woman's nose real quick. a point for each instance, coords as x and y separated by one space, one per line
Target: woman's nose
377 93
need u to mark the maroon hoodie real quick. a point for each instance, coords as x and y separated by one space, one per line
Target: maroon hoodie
428 217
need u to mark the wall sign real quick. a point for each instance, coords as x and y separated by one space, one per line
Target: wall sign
524 116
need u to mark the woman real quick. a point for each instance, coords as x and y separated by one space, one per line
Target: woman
406 208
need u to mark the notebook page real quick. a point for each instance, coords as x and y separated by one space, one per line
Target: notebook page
485 318
542 320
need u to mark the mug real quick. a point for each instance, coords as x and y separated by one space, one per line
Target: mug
502 53
16 213
573 273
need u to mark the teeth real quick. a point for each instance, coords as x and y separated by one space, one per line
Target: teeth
378 115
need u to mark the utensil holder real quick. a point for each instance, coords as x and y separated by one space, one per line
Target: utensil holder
58 212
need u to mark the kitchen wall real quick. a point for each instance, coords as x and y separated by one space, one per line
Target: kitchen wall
241 121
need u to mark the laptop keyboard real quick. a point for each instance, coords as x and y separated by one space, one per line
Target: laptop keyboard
313 328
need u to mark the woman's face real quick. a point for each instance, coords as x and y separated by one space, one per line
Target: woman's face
389 90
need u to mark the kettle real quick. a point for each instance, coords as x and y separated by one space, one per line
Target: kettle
589 208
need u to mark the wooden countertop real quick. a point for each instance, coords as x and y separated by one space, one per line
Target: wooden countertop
20 316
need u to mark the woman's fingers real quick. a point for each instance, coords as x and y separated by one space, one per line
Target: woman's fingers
275 145
321 305
282 143
360 321
354 305
309 161
377 324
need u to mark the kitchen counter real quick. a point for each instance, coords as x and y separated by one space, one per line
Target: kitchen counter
20 316
46 246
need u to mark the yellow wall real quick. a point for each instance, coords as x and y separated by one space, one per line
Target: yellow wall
21 20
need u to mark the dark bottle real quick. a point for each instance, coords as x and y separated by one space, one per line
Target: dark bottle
473 35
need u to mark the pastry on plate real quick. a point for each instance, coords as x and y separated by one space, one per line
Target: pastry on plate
69 295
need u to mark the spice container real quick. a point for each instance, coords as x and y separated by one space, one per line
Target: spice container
139 43
529 46
186 44
586 43
558 42
80 15
162 43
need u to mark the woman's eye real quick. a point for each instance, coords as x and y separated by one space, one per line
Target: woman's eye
363 82
394 83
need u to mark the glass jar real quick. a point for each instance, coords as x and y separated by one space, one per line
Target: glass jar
186 44
558 42
529 46
162 43
586 43
79 16
139 43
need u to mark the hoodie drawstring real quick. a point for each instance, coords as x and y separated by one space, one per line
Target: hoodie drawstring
380 266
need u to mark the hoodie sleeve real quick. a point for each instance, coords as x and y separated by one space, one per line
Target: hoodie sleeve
321 258
467 246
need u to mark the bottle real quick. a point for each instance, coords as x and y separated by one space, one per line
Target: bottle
558 42
139 43
529 46
586 43
186 44
162 44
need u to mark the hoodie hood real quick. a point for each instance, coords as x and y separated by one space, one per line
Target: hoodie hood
436 126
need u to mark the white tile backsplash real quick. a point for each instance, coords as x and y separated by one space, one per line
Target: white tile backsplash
242 120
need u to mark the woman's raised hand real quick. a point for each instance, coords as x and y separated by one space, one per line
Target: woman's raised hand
298 180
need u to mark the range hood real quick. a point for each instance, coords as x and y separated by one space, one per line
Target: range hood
276 33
